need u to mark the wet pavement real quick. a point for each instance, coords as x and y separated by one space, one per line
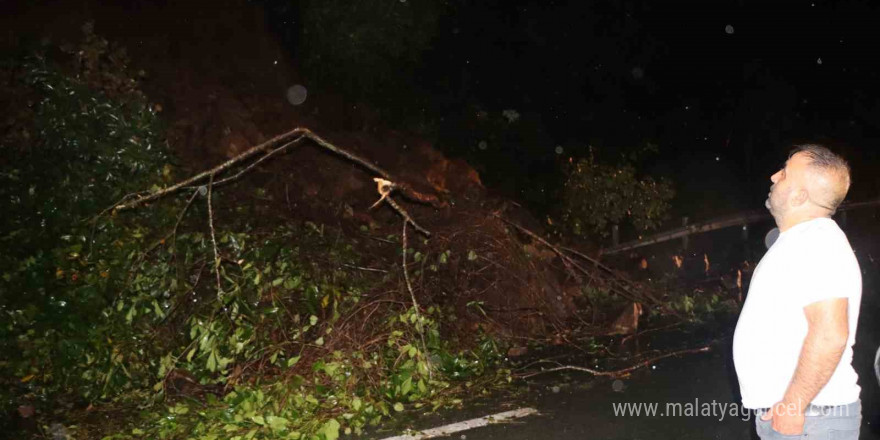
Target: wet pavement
580 406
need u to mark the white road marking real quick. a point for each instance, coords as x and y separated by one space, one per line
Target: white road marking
441 431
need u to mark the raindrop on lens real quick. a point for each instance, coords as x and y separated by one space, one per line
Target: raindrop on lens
558 149
482 145
728 29
637 72
297 94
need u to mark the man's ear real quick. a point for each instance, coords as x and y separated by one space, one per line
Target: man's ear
799 197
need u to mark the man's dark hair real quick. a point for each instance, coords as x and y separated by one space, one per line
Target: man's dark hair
825 161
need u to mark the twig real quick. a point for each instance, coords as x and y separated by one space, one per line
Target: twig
569 262
420 326
213 237
290 138
385 188
655 329
590 259
257 162
620 372
173 233
368 269
605 268
212 172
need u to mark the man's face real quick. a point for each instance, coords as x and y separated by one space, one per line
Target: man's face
786 182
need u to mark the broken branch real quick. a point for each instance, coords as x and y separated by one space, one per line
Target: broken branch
287 139
620 372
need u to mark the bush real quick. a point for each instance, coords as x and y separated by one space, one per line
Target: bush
69 152
597 195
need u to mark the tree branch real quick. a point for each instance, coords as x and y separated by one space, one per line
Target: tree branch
286 140
620 372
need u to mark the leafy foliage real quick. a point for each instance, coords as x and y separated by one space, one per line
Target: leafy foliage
126 311
71 152
596 195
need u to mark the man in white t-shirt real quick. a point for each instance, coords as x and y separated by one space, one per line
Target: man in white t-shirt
793 342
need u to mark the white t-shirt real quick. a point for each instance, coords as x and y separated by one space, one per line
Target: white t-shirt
811 261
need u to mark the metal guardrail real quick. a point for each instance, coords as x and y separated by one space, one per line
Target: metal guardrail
741 219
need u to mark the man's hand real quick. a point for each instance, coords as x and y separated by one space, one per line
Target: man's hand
785 419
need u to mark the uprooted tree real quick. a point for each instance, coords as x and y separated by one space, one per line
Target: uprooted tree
119 297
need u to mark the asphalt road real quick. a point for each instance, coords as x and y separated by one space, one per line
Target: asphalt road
579 406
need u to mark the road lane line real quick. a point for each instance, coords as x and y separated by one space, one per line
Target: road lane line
445 430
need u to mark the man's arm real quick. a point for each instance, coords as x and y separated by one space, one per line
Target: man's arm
824 345
827 336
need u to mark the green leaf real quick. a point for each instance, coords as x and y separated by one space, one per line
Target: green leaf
398 407
406 387
277 423
158 310
212 362
259 420
292 361
330 430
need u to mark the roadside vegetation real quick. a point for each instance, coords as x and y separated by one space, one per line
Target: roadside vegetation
195 317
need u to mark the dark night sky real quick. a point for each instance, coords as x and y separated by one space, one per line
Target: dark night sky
557 56
722 87
619 73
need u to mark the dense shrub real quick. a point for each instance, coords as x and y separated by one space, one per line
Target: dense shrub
597 195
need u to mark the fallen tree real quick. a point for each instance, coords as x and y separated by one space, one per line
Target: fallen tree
232 318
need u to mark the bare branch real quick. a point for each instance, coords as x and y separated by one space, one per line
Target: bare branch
620 372
420 326
286 140
618 286
298 132
213 236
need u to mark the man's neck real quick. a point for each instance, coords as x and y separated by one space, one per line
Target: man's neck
785 224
